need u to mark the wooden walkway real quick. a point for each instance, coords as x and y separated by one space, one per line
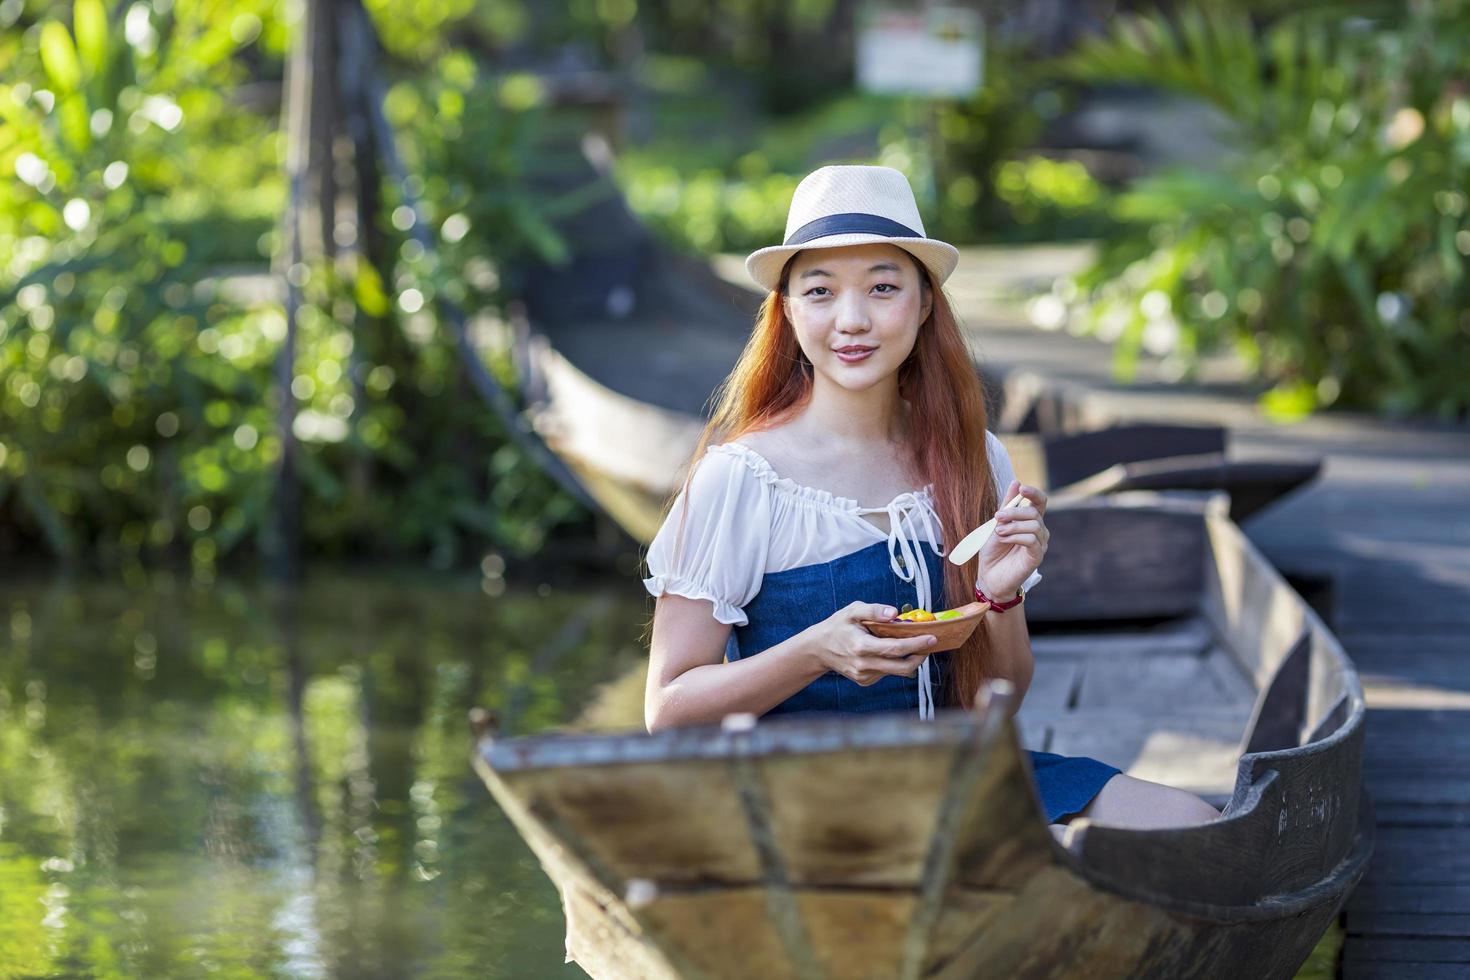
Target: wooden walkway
1388 524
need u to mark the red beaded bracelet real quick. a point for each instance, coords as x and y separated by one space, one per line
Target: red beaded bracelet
1001 606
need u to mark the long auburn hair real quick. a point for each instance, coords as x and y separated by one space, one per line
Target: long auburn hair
773 379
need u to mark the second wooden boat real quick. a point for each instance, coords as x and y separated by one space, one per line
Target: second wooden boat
622 347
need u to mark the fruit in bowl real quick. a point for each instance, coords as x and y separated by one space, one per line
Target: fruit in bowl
919 616
952 627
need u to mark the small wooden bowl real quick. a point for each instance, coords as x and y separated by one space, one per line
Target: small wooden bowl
951 632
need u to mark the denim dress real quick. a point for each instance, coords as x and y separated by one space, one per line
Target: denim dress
794 599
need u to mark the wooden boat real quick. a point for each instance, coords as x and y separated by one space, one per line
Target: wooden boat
622 347
884 846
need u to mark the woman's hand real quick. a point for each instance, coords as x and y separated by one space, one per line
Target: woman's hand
840 644
1015 550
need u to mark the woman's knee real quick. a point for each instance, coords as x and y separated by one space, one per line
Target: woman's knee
1126 801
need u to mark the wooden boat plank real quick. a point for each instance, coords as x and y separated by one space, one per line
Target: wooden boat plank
612 947
1331 676
1295 815
1000 838
705 927
811 820
1052 687
1252 484
1280 712
857 935
1076 455
1198 752
1055 928
1258 617
1182 637
629 819
1033 735
963 916
1144 684
1229 677
1158 552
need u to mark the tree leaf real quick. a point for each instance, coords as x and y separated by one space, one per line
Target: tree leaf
89 18
59 58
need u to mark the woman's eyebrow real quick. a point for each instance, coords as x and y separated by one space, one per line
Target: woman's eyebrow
880 267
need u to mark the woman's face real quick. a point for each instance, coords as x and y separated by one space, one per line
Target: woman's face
856 310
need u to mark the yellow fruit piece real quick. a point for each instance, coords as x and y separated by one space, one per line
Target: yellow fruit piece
918 616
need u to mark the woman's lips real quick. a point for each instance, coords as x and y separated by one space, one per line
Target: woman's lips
852 355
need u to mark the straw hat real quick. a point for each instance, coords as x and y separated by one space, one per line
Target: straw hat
852 205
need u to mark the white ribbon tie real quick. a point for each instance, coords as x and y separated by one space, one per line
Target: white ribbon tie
908 515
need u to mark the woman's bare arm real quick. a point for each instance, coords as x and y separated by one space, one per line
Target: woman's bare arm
1010 649
690 684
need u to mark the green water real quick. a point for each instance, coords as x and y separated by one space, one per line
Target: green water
218 782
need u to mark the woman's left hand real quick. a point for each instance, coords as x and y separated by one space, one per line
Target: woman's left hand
1015 550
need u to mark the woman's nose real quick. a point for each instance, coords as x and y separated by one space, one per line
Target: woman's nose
852 313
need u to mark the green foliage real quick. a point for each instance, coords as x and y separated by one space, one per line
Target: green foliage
423 29
993 188
1330 251
722 178
1322 964
121 414
139 326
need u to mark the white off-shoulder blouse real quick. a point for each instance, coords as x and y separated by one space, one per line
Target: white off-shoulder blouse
745 521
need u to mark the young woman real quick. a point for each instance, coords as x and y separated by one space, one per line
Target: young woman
855 454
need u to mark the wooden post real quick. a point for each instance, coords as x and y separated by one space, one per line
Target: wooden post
310 100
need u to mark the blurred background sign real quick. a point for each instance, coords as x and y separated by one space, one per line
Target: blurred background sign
933 50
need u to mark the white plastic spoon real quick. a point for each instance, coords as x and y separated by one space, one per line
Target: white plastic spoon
971 543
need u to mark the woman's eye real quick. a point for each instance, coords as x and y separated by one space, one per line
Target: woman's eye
884 287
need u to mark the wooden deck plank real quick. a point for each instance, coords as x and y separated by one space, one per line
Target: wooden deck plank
1380 897
1421 788
1421 856
1412 924
1423 949
1399 814
1356 969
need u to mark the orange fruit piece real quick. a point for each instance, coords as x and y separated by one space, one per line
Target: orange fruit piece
918 616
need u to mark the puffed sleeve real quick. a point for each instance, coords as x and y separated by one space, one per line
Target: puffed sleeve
1004 472
720 551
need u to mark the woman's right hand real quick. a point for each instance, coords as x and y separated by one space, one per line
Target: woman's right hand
841 645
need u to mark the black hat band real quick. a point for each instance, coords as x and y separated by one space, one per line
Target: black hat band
850 222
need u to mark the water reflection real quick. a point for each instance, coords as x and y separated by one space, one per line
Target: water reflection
232 782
